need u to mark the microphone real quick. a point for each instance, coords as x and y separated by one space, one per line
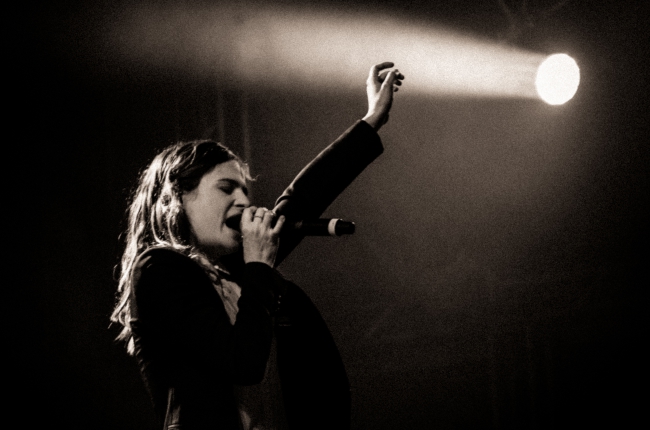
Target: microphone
323 227
315 227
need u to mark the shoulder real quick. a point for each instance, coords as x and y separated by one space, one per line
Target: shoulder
160 257
165 268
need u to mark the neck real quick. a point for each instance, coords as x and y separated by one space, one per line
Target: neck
232 263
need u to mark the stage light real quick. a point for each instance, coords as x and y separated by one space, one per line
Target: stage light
557 79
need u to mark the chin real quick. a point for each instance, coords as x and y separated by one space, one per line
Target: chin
232 245
232 249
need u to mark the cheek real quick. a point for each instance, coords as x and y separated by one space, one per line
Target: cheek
204 222
206 219
195 217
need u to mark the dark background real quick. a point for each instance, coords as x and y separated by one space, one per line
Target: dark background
498 275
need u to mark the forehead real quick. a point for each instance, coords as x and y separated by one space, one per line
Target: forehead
229 170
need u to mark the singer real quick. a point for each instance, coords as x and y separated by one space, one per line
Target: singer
221 339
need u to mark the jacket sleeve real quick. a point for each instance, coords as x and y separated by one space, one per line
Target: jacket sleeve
181 327
324 178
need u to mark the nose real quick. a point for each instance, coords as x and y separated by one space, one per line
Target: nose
241 199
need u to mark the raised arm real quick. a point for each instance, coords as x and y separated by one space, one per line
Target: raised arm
327 175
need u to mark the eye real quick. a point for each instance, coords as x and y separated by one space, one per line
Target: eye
227 188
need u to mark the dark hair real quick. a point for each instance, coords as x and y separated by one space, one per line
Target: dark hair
155 216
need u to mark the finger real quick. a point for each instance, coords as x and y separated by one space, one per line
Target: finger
390 78
382 66
259 213
268 219
374 70
278 225
398 78
248 213
382 76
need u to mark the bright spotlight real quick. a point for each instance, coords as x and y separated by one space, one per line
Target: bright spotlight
557 79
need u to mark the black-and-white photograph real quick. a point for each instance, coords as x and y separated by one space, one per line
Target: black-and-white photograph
330 214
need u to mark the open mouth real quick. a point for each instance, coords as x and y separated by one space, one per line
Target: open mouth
234 222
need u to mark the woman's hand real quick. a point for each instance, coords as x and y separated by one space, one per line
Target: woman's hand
380 87
260 239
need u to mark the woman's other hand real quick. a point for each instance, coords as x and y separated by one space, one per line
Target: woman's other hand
380 86
260 239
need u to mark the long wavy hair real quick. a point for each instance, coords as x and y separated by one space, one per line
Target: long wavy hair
156 218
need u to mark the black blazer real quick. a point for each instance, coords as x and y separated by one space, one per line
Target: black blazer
190 355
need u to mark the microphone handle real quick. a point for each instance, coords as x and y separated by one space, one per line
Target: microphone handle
324 227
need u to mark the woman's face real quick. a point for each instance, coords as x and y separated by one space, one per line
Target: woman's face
214 207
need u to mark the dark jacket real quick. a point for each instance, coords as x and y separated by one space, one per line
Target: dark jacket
189 353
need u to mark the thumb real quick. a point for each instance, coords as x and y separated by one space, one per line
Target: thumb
388 82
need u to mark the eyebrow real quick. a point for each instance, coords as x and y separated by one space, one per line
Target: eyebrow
235 183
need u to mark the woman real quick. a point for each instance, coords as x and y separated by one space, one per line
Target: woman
221 339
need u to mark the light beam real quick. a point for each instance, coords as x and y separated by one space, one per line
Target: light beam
305 48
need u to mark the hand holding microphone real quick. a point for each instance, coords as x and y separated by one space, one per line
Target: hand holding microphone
260 234
309 227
